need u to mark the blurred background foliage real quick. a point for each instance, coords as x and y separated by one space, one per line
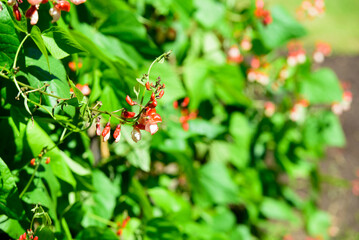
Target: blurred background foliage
237 171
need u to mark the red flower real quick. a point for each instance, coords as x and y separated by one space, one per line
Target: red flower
47 160
148 121
63 6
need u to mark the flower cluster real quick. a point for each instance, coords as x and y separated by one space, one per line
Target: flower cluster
28 236
186 115
298 111
344 105
257 72
261 13
296 54
32 12
321 51
311 8
146 120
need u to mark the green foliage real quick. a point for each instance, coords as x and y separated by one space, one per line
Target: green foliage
221 166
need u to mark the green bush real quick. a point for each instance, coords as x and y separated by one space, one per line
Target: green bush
242 125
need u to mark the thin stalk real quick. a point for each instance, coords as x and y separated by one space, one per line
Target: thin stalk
30 181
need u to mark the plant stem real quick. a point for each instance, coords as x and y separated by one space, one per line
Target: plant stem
18 49
66 229
30 181
102 220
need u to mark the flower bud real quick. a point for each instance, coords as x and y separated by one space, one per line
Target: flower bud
33 162
17 12
117 133
55 14
148 87
129 101
136 134
106 132
47 160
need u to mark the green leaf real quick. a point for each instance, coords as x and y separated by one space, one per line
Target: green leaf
174 206
318 223
277 210
241 232
242 134
217 184
38 75
60 43
102 202
209 13
321 86
45 233
10 204
8 38
58 162
125 26
92 233
36 36
162 229
10 226
283 28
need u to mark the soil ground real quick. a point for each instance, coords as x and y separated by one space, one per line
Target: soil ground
343 164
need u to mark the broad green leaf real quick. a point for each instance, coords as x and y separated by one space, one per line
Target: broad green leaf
217 184
10 204
206 128
209 12
174 206
96 233
38 75
195 78
11 227
283 28
161 229
223 220
60 43
241 232
321 86
36 36
125 26
318 223
277 210
58 163
8 38
102 202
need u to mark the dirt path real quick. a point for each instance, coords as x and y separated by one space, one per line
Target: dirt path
339 200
